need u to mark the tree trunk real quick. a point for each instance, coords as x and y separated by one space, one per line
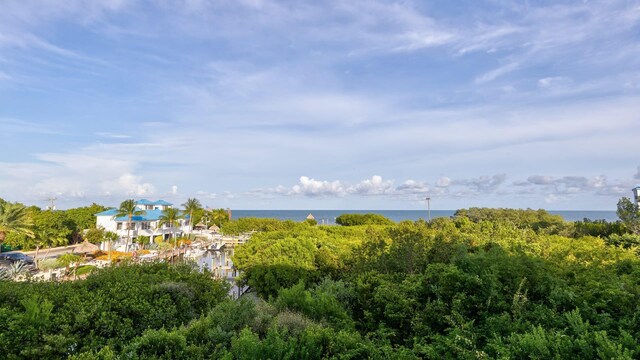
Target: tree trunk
175 243
129 233
36 257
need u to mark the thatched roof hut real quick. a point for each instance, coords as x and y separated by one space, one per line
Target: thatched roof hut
310 217
86 248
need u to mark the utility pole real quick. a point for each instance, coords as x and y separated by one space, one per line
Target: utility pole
429 207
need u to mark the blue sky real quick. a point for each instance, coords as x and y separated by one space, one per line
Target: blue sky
354 104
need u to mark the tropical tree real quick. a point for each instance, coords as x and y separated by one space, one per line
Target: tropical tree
629 213
14 217
45 238
67 259
128 208
170 216
110 236
190 207
219 216
94 235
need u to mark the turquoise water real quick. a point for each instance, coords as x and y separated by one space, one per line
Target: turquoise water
328 216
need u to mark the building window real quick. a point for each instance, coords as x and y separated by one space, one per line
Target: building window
119 226
146 226
131 226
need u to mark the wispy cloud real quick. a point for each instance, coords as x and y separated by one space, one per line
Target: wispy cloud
250 94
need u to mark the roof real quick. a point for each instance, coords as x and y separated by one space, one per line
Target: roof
149 202
85 248
148 215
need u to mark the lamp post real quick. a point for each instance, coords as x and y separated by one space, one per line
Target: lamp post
429 207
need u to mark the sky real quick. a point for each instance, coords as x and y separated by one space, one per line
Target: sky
359 104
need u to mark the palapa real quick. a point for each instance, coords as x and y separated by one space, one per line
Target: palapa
85 248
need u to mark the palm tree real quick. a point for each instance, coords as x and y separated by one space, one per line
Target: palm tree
110 237
190 206
220 216
14 217
170 216
128 208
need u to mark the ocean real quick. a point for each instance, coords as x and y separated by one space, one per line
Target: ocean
329 216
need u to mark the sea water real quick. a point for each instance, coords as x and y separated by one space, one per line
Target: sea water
329 216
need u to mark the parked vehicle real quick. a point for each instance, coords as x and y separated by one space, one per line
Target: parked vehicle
17 256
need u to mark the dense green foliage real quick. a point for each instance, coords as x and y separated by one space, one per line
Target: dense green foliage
362 219
485 284
45 228
281 258
478 285
245 225
109 308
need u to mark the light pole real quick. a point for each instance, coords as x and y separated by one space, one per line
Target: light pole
429 207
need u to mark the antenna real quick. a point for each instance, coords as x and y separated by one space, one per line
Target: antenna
52 203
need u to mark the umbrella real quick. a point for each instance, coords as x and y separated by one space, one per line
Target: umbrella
310 217
85 248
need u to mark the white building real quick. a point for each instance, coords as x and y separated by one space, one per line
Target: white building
636 194
145 224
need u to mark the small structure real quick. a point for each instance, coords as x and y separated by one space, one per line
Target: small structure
636 194
310 217
214 228
86 248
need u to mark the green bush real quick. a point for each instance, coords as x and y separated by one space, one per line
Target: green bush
362 219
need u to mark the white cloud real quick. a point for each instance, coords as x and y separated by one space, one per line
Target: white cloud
413 187
111 135
554 82
497 72
133 185
564 186
483 184
311 187
69 176
373 186
443 182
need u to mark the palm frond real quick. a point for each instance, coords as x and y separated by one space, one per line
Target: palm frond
15 217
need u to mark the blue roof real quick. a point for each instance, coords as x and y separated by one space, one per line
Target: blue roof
149 202
109 212
149 215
